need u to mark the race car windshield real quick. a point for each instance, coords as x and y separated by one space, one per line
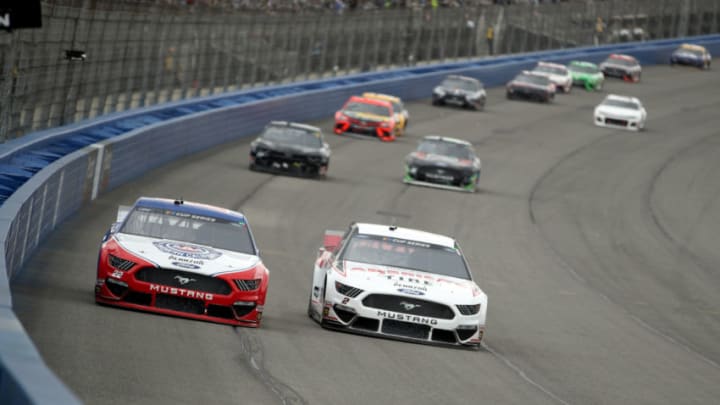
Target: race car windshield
406 254
584 68
292 136
467 85
550 69
533 79
621 61
452 149
621 104
185 227
368 108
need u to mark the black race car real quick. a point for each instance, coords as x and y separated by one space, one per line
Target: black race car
530 86
461 91
443 162
625 67
290 147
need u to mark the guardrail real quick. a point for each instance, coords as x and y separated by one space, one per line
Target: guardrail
105 153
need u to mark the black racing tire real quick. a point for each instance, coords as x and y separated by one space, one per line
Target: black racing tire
309 308
321 176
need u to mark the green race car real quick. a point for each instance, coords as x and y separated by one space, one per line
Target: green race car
586 74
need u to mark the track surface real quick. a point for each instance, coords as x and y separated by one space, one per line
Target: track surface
597 248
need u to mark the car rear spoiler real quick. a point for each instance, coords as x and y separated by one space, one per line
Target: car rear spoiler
332 240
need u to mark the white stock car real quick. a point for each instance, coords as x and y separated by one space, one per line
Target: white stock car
558 74
398 283
620 112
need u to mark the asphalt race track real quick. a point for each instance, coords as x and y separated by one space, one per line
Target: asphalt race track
598 249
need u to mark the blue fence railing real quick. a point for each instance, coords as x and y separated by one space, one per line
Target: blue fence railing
45 177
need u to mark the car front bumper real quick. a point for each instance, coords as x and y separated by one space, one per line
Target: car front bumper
351 315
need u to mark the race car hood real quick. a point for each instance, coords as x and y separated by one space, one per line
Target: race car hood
396 281
617 111
366 116
186 256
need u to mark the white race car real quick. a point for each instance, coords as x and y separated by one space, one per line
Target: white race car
558 74
620 112
398 283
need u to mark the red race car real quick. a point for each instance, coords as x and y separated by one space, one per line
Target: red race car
184 259
367 116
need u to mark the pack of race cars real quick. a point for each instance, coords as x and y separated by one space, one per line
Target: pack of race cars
201 262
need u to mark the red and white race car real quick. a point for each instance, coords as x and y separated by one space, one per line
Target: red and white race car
399 283
185 259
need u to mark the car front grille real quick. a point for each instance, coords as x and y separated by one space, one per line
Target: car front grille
614 121
615 72
183 279
439 175
444 336
363 123
288 157
410 306
406 329
180 304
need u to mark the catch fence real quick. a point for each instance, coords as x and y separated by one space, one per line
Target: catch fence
92 57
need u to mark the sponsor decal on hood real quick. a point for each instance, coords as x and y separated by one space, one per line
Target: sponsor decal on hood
380 279
187 256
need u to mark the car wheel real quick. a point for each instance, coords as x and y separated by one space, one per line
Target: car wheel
309 308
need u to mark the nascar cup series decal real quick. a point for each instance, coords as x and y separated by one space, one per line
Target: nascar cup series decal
186 255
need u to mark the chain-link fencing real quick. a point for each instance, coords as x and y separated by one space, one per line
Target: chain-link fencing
93 58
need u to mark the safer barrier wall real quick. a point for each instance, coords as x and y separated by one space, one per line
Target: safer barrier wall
158 135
